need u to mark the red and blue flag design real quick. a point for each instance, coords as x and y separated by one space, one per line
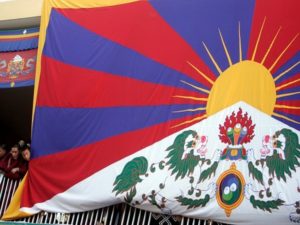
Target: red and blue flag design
116 79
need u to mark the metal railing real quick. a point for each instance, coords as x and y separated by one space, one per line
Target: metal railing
114 215
7 189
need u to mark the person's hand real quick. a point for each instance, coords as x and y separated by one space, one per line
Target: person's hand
14 170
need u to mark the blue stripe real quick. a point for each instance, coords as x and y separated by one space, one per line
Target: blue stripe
198 21
288 98
290 116
290 90
18 45
290 74
72 44
58 129
287 65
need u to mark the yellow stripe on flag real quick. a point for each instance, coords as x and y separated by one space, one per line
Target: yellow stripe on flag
13 211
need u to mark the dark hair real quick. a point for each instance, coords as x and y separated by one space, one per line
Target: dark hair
16 146
26 146
3 147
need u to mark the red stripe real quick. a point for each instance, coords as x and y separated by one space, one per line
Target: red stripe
289 111
291 79
291 103
54 174
283 14
139 27
72 86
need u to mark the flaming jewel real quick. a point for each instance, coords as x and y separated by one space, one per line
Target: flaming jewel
236 131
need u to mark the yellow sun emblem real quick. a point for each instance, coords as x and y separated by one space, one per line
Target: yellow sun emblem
247 80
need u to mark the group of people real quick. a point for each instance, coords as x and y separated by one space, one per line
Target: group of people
14 163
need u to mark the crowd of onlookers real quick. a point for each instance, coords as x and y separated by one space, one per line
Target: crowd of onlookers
14 162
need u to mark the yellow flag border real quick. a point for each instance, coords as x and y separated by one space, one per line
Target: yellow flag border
13 211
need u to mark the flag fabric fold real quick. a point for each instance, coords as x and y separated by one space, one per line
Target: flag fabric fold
177 107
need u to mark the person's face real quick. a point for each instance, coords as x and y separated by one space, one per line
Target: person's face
2 152
14 152
26 154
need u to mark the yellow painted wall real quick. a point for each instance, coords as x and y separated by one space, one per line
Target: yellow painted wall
16 9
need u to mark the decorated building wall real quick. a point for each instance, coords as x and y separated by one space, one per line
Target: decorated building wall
18 53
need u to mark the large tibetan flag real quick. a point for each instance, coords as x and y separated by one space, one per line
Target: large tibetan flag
174 106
